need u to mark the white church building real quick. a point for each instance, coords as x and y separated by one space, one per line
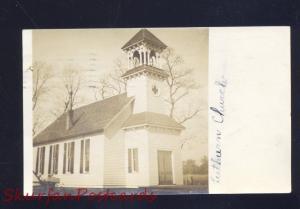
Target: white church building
126 140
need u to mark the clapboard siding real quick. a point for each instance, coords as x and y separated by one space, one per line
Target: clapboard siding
138 138
114 153
114 164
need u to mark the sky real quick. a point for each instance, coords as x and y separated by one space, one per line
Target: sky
93 52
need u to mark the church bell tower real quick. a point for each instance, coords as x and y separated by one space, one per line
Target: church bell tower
145 78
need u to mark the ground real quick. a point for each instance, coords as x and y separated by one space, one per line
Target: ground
157 190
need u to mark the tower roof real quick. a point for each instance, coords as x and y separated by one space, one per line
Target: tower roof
147 36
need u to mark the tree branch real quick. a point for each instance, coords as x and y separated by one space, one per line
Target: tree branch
186 118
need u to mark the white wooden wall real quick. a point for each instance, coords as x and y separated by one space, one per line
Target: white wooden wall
138 139
95 175
114 164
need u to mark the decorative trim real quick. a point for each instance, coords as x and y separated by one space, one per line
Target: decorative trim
147 126
145 71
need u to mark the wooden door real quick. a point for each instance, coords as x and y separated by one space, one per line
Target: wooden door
165 170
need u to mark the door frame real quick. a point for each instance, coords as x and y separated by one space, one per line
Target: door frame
172 164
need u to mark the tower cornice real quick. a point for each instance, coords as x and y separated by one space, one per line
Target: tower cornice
145 70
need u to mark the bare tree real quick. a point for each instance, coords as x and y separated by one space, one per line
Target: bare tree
180 82
71 84
41 74
118 83
101 89
111 84
38 122
187 139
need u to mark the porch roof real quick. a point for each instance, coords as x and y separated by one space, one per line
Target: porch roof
152 119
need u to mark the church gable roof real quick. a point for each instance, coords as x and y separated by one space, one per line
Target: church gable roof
152 119
87 119
147 36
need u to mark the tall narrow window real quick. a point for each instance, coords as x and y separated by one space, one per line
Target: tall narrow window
68 165
65 158
135 160
72 157
42 160
129 161
69 158
85 156
133 164
37 160
81 155
50 161
53 159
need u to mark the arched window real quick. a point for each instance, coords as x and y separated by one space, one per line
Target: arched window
136 58
143 61
152 58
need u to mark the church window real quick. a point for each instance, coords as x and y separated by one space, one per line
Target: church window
133 164
135 62
68 165
85 156
136 58
152 58
53 159
40 160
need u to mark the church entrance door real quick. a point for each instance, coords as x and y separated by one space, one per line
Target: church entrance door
165 170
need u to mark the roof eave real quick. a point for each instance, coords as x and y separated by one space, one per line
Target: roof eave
50 141
161 74
126 46
153 125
